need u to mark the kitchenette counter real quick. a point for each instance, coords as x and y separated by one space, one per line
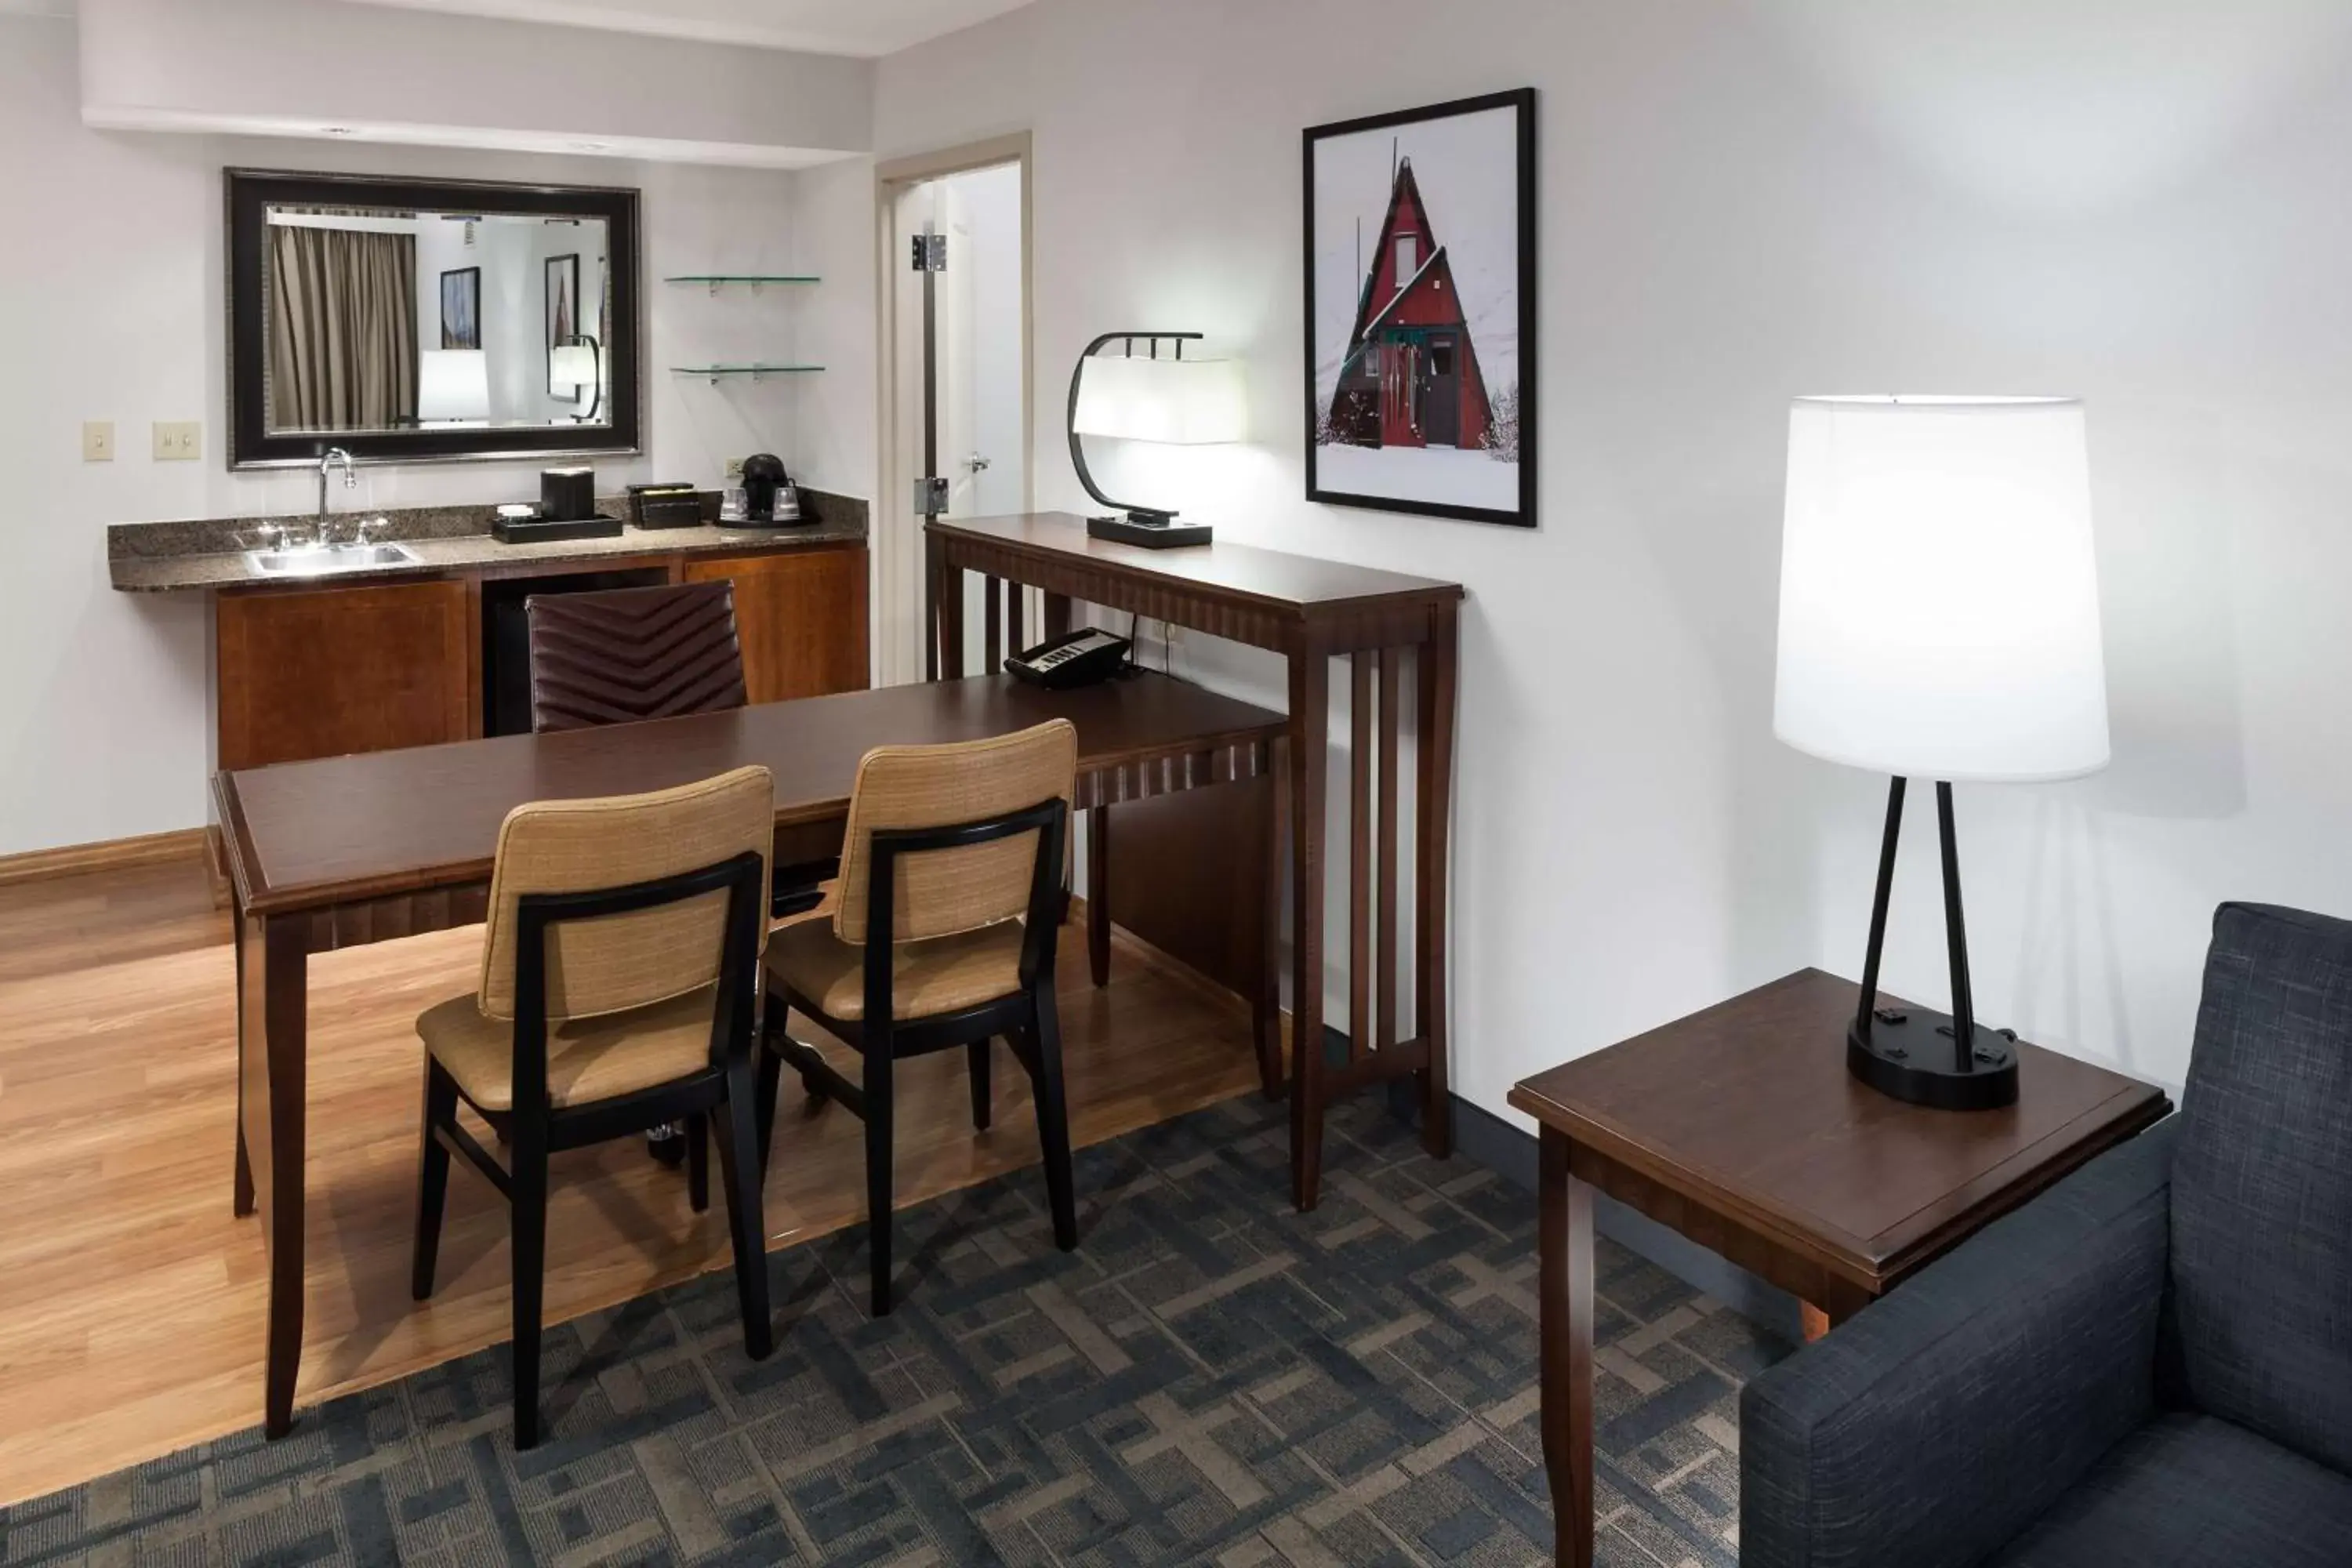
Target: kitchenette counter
172 557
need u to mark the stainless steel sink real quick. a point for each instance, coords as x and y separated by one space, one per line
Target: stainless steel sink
312 561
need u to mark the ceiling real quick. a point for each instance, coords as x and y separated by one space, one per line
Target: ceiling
868 27
826 26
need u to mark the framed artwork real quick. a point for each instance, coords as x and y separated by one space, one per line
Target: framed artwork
461 308
1421 311
562 318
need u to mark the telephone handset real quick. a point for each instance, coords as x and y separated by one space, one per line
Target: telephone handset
1081 658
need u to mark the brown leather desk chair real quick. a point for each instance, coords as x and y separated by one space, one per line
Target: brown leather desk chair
623 655
618 991
944 936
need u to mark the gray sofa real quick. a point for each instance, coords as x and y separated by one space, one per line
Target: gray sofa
2148 1365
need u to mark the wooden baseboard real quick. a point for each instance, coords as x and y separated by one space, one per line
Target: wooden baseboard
110 855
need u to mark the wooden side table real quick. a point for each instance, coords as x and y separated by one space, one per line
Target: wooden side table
1740 1127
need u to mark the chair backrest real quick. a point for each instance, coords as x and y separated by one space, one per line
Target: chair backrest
940 892
617 656
616 963
2262 1183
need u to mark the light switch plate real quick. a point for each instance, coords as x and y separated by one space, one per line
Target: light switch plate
179 441
734 467
97 441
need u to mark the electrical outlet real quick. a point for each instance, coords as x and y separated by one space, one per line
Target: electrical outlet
97 441
179 441
734 467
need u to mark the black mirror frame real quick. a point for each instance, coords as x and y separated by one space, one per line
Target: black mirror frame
250 193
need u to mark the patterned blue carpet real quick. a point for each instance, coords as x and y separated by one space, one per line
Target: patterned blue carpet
1210 1378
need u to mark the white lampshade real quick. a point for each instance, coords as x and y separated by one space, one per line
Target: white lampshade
572 365
1939 599
1180 402
453 384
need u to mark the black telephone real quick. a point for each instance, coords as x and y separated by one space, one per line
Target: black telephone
1081 658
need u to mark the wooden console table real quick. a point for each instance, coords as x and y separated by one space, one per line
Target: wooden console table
351 851
1740 1127
1309 611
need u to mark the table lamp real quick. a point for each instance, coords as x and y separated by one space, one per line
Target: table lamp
453 385
1152 398
1939 619
575 362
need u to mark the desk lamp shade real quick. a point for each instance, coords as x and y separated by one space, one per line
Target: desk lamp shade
1179 401
453 384
1939 603
572 365
1939 619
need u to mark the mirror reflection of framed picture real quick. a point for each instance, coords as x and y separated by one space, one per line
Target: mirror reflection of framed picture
562 318
1421 311
461 308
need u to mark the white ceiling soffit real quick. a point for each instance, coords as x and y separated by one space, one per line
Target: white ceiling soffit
644 148
865 27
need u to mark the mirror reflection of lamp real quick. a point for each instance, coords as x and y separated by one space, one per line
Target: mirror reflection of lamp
577 361
453 386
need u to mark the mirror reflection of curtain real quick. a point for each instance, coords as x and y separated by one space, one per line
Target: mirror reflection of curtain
343 330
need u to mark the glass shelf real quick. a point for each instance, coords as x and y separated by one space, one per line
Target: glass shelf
718 280
754 370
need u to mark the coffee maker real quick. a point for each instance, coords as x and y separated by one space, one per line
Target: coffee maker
769 495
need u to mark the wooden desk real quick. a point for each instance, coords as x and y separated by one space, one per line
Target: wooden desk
337 853
1308 610
1740 1127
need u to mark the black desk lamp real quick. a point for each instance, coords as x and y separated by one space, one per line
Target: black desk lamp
1939 619
1150 397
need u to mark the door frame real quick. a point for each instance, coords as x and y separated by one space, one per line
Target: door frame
897 550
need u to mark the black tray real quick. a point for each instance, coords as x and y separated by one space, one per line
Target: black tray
540 530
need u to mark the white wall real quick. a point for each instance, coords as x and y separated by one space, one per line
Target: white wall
116 314
2140 201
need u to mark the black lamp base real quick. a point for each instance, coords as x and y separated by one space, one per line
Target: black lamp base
1153 531
1910 1057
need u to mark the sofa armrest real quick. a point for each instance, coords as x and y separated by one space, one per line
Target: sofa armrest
1941 1420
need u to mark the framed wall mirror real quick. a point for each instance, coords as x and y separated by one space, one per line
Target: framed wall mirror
416 321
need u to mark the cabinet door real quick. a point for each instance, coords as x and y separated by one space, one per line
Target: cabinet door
331 671
801 616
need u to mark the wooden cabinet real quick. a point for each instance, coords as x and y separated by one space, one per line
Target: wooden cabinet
325 672
801 616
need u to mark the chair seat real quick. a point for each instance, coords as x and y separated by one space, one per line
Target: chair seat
588 1059
2195 1492
937 976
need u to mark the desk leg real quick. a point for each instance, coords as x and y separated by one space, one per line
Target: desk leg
1564 1255
273 970
950 595
1267 1008
1099 894
241 1197
1433 812
1310 747
1056 615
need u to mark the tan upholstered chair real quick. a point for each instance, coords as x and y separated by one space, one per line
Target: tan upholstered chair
950 891
618 990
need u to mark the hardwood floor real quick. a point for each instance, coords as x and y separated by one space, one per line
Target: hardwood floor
130 1302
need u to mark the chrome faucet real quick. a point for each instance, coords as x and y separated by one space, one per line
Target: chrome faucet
351 481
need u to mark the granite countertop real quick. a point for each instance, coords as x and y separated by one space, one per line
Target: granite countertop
169 557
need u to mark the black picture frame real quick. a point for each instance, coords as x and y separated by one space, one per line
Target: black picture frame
461 287
248 194
559 308
1521 103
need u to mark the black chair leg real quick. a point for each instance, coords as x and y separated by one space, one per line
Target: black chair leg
1054 1118
698 1162
768 1071
739 1168
977 1056
878 1151
530 1250
432 1178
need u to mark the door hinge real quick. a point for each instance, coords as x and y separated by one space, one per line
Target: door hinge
931 496
931 253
